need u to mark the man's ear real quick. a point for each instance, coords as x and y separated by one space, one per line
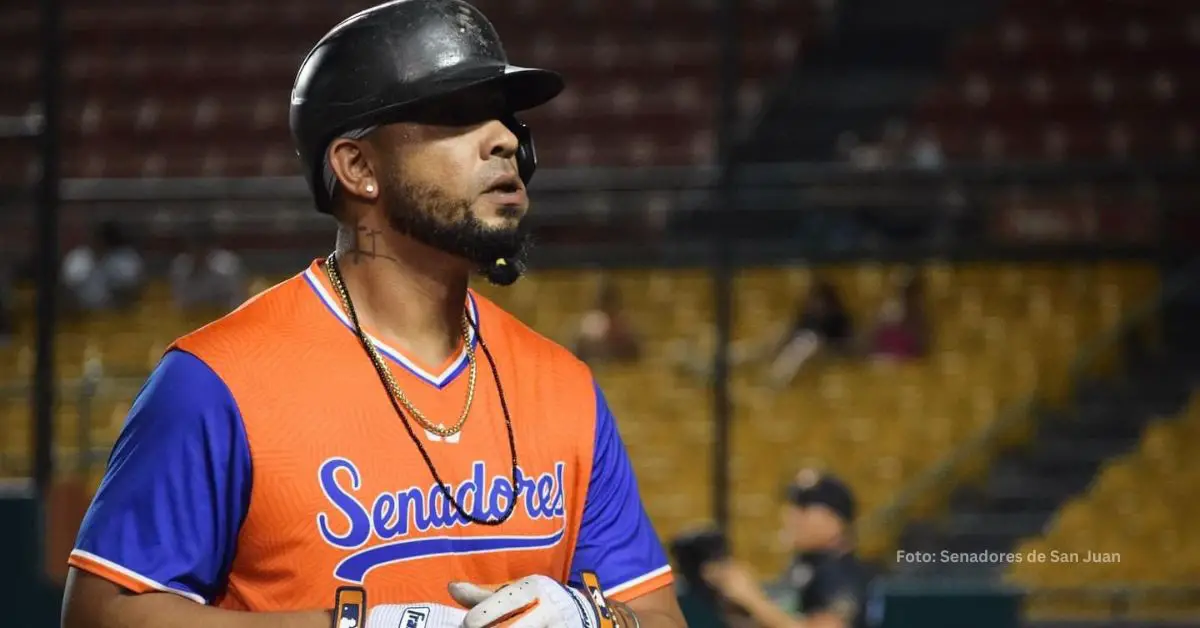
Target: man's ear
351 162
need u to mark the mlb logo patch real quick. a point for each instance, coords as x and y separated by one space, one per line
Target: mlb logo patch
415 617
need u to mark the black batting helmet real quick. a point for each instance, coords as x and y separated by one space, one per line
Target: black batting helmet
375 64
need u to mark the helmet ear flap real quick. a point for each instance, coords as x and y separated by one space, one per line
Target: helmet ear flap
526 152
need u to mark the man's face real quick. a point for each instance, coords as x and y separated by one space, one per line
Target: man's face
809 528
450 179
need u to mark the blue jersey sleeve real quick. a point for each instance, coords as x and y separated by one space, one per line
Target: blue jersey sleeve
616 539
177 486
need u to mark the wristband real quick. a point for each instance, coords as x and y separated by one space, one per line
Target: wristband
609 618
349 607
595 593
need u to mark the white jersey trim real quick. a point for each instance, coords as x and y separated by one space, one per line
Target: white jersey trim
629 584
133 575
439 380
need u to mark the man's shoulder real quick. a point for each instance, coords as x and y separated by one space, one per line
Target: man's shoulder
527 344
266 317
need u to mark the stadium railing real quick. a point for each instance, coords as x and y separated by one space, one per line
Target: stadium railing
669 215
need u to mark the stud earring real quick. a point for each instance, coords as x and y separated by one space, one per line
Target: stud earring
370 189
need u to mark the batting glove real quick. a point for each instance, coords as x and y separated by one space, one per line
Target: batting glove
532 602
350 606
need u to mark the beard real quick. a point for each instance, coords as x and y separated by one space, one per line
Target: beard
430 216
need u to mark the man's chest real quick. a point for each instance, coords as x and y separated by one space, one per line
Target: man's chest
370 503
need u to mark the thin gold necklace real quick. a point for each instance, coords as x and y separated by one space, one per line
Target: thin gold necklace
335 278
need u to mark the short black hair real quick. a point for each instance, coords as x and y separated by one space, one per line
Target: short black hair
812 488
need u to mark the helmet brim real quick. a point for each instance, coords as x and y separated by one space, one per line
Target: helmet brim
527 88
524 88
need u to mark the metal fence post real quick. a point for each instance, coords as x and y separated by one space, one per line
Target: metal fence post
728 27
47 259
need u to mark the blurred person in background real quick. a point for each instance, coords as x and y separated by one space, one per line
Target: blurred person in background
822 323
866 155
901 330
205 275
605 332
106 273
925 152
893 148
830 584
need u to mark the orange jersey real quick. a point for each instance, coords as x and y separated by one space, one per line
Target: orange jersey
263 465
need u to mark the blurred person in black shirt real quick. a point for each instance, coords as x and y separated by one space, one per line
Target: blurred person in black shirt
830 584
821 324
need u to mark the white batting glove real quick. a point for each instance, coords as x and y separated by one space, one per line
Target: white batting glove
531 602
414 616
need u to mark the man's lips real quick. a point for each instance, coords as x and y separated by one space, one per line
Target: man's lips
507 189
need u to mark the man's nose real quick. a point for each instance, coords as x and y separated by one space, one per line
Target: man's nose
500 140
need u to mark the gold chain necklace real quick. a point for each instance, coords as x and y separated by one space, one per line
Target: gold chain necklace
335 278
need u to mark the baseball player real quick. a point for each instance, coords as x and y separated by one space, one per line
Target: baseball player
370 443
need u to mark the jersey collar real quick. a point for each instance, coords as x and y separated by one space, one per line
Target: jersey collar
315 277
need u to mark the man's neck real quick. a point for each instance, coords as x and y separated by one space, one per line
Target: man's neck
410 295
